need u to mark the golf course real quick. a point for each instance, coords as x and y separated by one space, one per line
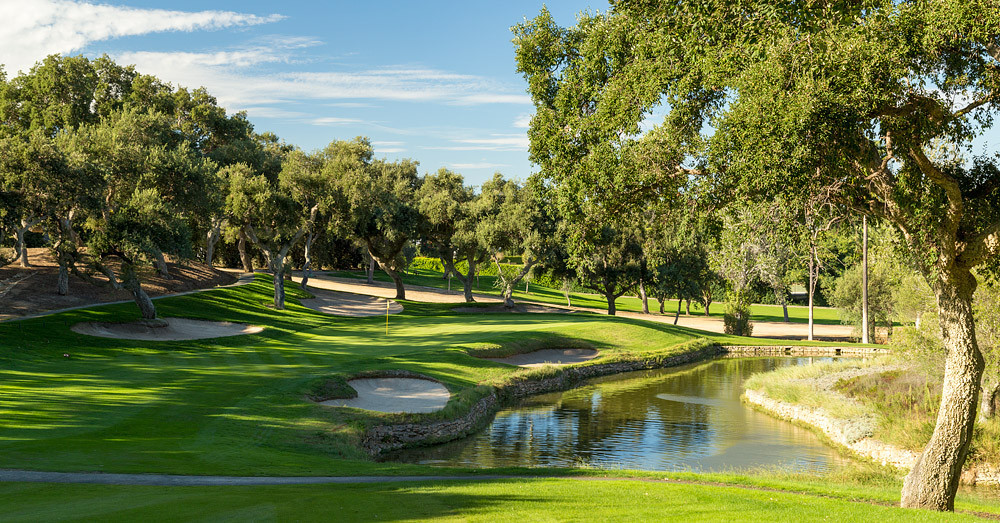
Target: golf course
170 412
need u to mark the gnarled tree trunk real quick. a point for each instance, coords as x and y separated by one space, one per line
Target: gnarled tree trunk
933 482
130 279
22 248
370 272
307 266
212 238
161 264
241 246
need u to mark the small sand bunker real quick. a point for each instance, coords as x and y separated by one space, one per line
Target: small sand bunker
347 304
410 395
176 329
519 307
542 357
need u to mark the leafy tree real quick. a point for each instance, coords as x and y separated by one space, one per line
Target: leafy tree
516 221
605 254
375 203
303 177
451 212
146 174
804 98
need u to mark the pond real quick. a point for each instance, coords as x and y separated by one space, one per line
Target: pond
684 418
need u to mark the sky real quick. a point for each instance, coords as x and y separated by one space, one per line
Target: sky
430 80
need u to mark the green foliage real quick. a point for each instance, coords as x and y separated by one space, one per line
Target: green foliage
736 320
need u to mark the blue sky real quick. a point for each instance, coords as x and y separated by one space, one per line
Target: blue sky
430 80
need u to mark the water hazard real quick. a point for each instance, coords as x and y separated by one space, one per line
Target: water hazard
686 418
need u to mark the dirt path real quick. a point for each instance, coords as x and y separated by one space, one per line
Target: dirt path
761 329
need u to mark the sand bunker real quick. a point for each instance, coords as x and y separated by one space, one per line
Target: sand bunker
548 357
176 329
346 304
395 395
519 307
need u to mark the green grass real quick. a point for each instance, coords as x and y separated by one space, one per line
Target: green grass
494 500
791 385
237 405
543 294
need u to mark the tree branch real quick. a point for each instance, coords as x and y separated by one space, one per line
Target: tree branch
981 247
950 185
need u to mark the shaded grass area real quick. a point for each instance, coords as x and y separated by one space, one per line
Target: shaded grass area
494 500
543 294
907 403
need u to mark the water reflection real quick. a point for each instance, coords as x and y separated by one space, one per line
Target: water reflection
688 418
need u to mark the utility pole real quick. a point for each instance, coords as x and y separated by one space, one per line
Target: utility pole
864 280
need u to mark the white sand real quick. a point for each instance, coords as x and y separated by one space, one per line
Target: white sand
395 395
347 304
542 357
177 329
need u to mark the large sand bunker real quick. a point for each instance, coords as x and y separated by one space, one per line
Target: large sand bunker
175 329
542 357
346 304
410 395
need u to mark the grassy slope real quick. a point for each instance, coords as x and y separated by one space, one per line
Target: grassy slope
542 294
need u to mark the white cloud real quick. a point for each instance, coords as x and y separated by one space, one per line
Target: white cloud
523 121
388 144
391 150
479 165
496 142
333 120
37 28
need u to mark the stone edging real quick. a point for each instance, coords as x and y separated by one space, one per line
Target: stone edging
386 438
839 432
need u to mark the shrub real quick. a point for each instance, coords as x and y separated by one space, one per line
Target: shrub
737 318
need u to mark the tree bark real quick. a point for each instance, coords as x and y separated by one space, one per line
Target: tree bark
677 316
784 309
645 299
467 282
371 268
211 239
610 296
241 246
865 329
687 307
396 279
307 266
131 281
62 284
161 264
811 283
22 248
278 272
933 481
991 394
662 301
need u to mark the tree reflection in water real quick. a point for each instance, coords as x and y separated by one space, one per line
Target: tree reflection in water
686 418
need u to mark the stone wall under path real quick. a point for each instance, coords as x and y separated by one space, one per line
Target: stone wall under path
386 438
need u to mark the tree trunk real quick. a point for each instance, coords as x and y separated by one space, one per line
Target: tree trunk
131 281
211 239
62 284
277 272
811 284
662 301
645 299
307 267
370 273
991 395
400 291
467 281
161 264
610 296
677 316
22 247
784 309
707 305
687 307
508 300
241 246
865 330
934 479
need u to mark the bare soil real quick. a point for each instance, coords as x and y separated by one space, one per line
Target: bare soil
32 290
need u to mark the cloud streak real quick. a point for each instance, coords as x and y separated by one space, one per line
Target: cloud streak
44 27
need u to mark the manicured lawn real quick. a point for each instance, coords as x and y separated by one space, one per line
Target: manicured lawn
542 294
500 500
236 405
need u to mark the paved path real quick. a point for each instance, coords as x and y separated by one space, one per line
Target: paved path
174 480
